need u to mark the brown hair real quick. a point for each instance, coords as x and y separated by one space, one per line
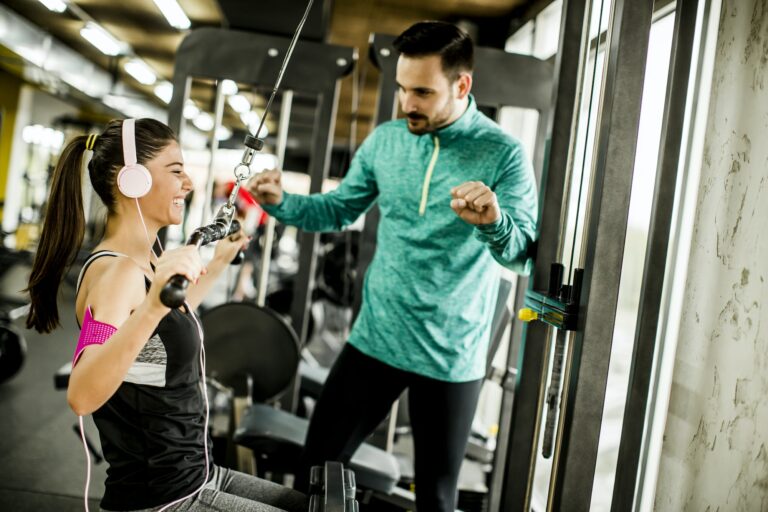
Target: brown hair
452 44
64 223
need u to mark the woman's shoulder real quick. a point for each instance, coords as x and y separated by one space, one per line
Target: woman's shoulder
114 265
114 277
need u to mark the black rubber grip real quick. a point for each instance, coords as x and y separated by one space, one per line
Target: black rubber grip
174 293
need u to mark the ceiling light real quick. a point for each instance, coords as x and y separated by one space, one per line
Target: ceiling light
54 5
228 87
101 39
239 103
139 70
164 91
32 134
252 120
136 110
173 13
116 102
204 121
40 135
223 133
53 139
190 110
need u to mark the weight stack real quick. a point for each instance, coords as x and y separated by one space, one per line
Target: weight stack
332 489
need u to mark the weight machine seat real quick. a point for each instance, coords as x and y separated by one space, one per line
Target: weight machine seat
275 433
312 378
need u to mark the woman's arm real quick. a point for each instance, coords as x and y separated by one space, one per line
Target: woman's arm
117 297
226 250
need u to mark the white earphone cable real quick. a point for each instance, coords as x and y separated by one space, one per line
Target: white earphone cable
87 463
146 231
207 413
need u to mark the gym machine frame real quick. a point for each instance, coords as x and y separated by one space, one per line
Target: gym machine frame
519 421
606 224
590 348
250 58
583 393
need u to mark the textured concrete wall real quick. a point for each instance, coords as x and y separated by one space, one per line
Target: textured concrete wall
715 452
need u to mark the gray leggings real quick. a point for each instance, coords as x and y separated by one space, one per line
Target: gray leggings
232 491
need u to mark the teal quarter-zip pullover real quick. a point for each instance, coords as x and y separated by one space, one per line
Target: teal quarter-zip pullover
430 290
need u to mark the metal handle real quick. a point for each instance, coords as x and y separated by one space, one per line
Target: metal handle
174 293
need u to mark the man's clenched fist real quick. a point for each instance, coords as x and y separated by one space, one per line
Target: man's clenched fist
475 203
266 187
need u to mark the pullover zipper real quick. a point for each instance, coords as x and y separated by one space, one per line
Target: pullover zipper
428 177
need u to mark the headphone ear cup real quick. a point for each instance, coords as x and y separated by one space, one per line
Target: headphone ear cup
134 181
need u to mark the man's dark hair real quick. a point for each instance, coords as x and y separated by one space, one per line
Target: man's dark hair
438 38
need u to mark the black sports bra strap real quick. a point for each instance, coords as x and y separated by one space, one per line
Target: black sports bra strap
93 257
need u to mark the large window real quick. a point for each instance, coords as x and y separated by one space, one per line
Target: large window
643 180
691 156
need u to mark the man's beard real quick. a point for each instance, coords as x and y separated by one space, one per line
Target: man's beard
430 125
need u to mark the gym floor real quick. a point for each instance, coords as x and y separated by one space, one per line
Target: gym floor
42 461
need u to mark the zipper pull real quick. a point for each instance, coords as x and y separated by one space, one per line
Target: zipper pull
428 176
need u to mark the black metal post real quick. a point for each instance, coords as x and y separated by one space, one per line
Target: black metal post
518 425
252 58
320 161
606 224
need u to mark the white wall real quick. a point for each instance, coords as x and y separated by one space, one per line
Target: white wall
715 452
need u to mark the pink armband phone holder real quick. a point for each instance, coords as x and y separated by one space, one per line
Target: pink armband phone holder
93 332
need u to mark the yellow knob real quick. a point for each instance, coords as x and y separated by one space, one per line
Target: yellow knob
527 315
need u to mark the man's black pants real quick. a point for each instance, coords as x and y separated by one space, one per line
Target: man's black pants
357 397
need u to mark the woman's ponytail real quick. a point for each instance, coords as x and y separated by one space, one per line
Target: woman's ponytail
61 237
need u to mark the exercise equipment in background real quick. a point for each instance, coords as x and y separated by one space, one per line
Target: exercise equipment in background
13 349
332 489
250 349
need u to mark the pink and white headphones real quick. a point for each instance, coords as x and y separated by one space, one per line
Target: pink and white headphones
133 180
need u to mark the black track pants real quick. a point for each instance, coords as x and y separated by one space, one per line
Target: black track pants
359 394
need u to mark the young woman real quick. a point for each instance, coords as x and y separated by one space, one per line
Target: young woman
138 367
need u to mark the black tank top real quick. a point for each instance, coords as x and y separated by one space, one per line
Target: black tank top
152 428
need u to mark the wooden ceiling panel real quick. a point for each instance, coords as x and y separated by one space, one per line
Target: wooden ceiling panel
465 7
205 12
126 19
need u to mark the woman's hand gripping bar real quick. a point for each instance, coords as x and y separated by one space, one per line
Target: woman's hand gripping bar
174 293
